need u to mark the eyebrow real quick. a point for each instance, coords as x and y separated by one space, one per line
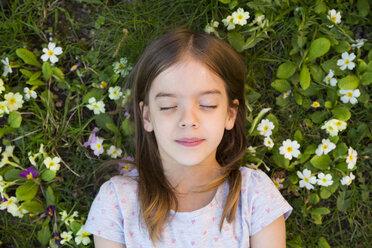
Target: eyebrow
207 92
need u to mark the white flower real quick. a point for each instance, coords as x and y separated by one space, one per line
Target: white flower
82 237
29 93
229 22
122 67
51 52
265 127
211 27
115 93
2 88
350 96
261 21
286 94
334 16
66 237
97 107
3 108
126 96
52 164
359 44
346 61
289 149
346 180
324 180
329 79
2 184
68 219
7 68
252 150
333 126
20 212
351 158
325 147
240 17
114 152
13 101
10 205
307 180
32 158
97 147
268 142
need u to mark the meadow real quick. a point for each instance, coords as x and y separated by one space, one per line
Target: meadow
66 125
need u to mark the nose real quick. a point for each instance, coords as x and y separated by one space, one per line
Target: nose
189 118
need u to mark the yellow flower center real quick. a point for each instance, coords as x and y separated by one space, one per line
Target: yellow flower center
289 149
324 180
2 107
306 179
338 123
29 175
265 128
10 202
316 104
351 157
99 146
115 93
103 84
85 234
115 152
349 181
95 106
73 67
127 167
50 53
122 66
324 147
330 128
29 92
50 212
51 164
231 20
240 17
329 79
333 18
349 94
347 61
285 95
12 101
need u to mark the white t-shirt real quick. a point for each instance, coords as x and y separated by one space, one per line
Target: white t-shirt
114 215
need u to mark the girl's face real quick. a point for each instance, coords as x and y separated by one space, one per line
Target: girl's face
188 112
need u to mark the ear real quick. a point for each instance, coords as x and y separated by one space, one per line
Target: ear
147 125
233 111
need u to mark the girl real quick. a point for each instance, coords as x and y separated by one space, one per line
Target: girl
188 188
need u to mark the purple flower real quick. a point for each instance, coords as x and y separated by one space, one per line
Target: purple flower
50 211
75 67
29 173
97 147
126 166
57 238
92 137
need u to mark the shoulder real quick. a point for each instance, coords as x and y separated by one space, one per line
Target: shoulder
255 177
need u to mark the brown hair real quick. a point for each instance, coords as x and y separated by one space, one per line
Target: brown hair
156 195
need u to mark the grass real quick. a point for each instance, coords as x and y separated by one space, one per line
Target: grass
101 32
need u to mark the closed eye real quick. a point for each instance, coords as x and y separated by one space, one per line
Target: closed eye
209 106
167 108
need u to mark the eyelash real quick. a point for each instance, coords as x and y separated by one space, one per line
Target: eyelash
203 106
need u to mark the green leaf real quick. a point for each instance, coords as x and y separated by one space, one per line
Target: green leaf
26 73
326 192
274 120
318 117
225 1
366 78
35 76
127 127
298 136
304 77
112 127
33 206
47 70
363 7
279 159
314 199
50 198
236 40
48 175
341 113
12 174
58 74
44 235
298 98
35 83
320 211
28 57
362 67
322 243
342 46
286 70
96 93
342 166
321 162
27 191
320 7
340 150
348 83
281 85
75 226
342 203
332 65
15 119
318 48
293 178
317 73
102 120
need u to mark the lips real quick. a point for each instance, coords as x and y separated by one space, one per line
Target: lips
189 142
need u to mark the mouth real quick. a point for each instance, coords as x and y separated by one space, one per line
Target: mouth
190 142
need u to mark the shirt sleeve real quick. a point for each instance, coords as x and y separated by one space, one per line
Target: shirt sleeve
267 203
104 218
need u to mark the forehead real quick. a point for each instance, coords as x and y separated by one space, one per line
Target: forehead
187 78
